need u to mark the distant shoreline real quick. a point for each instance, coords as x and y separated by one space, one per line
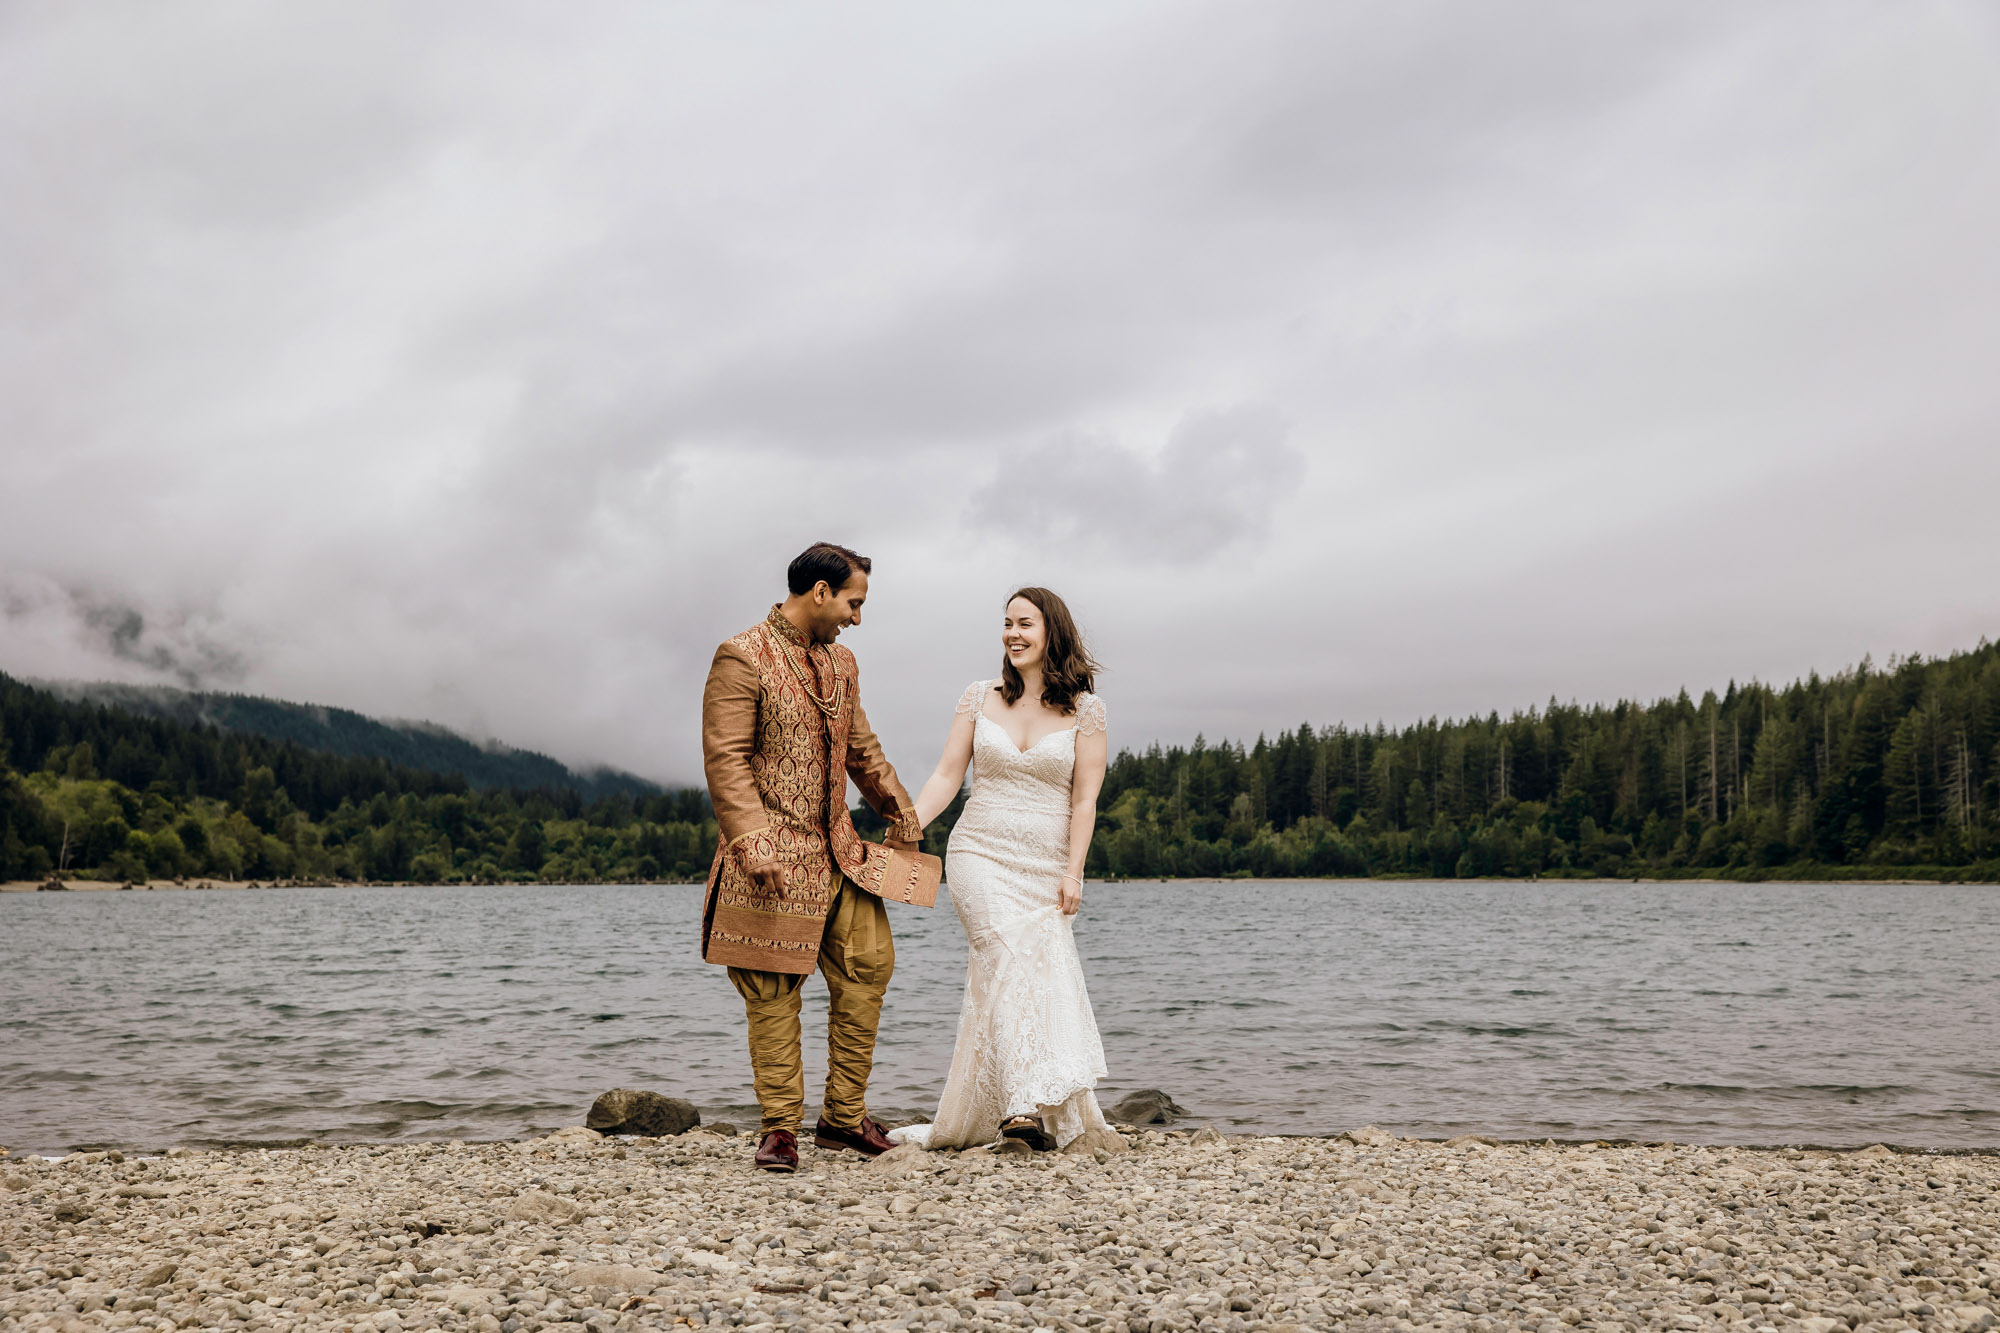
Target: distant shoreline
205 885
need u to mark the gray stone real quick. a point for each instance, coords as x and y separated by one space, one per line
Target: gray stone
1370 1137
1147 1107
901 1159
626 1111
614 1278
537 1206
574 1134
1095 1141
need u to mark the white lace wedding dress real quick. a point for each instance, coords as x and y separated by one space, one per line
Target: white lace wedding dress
1027 1041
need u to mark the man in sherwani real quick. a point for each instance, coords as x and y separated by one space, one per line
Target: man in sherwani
793 886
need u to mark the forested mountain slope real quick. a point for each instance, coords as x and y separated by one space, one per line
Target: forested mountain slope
344 732
89 789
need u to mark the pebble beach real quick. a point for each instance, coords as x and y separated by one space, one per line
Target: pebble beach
1180 1231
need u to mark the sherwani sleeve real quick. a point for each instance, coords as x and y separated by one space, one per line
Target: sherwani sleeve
871 772
728 738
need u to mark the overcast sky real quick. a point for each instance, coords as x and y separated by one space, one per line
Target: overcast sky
487 362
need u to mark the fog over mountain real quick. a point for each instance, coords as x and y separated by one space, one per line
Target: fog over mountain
486 762
1335 361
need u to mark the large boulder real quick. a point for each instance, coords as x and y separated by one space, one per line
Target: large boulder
1147 1107
625 1111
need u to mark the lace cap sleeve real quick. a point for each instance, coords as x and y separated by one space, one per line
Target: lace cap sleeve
970 701
1089 715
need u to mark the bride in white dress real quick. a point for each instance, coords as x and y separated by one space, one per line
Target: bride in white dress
1028 1054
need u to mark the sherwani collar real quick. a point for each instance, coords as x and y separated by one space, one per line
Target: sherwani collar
818 674
786 629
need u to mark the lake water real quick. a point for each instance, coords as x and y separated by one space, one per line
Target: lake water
1767 1014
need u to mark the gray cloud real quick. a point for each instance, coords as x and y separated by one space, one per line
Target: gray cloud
491 371
1217 482
89 632
185 656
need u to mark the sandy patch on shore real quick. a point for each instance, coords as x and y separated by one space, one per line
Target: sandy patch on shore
1223 1234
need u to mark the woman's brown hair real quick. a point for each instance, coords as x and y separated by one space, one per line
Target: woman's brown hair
1067 667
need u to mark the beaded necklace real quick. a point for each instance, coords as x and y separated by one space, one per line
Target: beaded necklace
830 703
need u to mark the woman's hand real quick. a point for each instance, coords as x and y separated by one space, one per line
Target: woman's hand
1069 895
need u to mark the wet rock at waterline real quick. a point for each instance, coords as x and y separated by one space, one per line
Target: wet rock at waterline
1147 1107
626 1111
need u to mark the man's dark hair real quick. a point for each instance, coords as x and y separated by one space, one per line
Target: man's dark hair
824 560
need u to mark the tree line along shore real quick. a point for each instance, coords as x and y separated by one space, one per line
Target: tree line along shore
1888 773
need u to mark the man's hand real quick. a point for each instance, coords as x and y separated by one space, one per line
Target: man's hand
900 844
769 878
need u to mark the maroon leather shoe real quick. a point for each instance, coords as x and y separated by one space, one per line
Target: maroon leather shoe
868 1138
778 1151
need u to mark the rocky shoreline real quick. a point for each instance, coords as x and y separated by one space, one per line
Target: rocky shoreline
1185 1231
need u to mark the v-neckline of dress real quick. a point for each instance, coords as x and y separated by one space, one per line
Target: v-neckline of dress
1018 751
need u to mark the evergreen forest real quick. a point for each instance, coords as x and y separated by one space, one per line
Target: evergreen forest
1881 773
90 791
1889 773
345 732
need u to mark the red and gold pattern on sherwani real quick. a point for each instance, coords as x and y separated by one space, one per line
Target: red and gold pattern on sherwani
778 766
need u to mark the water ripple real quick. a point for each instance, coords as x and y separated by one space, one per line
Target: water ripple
1713 1013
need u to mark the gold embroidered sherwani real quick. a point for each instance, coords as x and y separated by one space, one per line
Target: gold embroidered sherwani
782 732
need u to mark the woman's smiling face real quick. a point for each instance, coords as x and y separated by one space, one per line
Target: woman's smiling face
1023 635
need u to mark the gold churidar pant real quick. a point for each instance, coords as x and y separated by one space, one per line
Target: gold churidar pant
856 955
